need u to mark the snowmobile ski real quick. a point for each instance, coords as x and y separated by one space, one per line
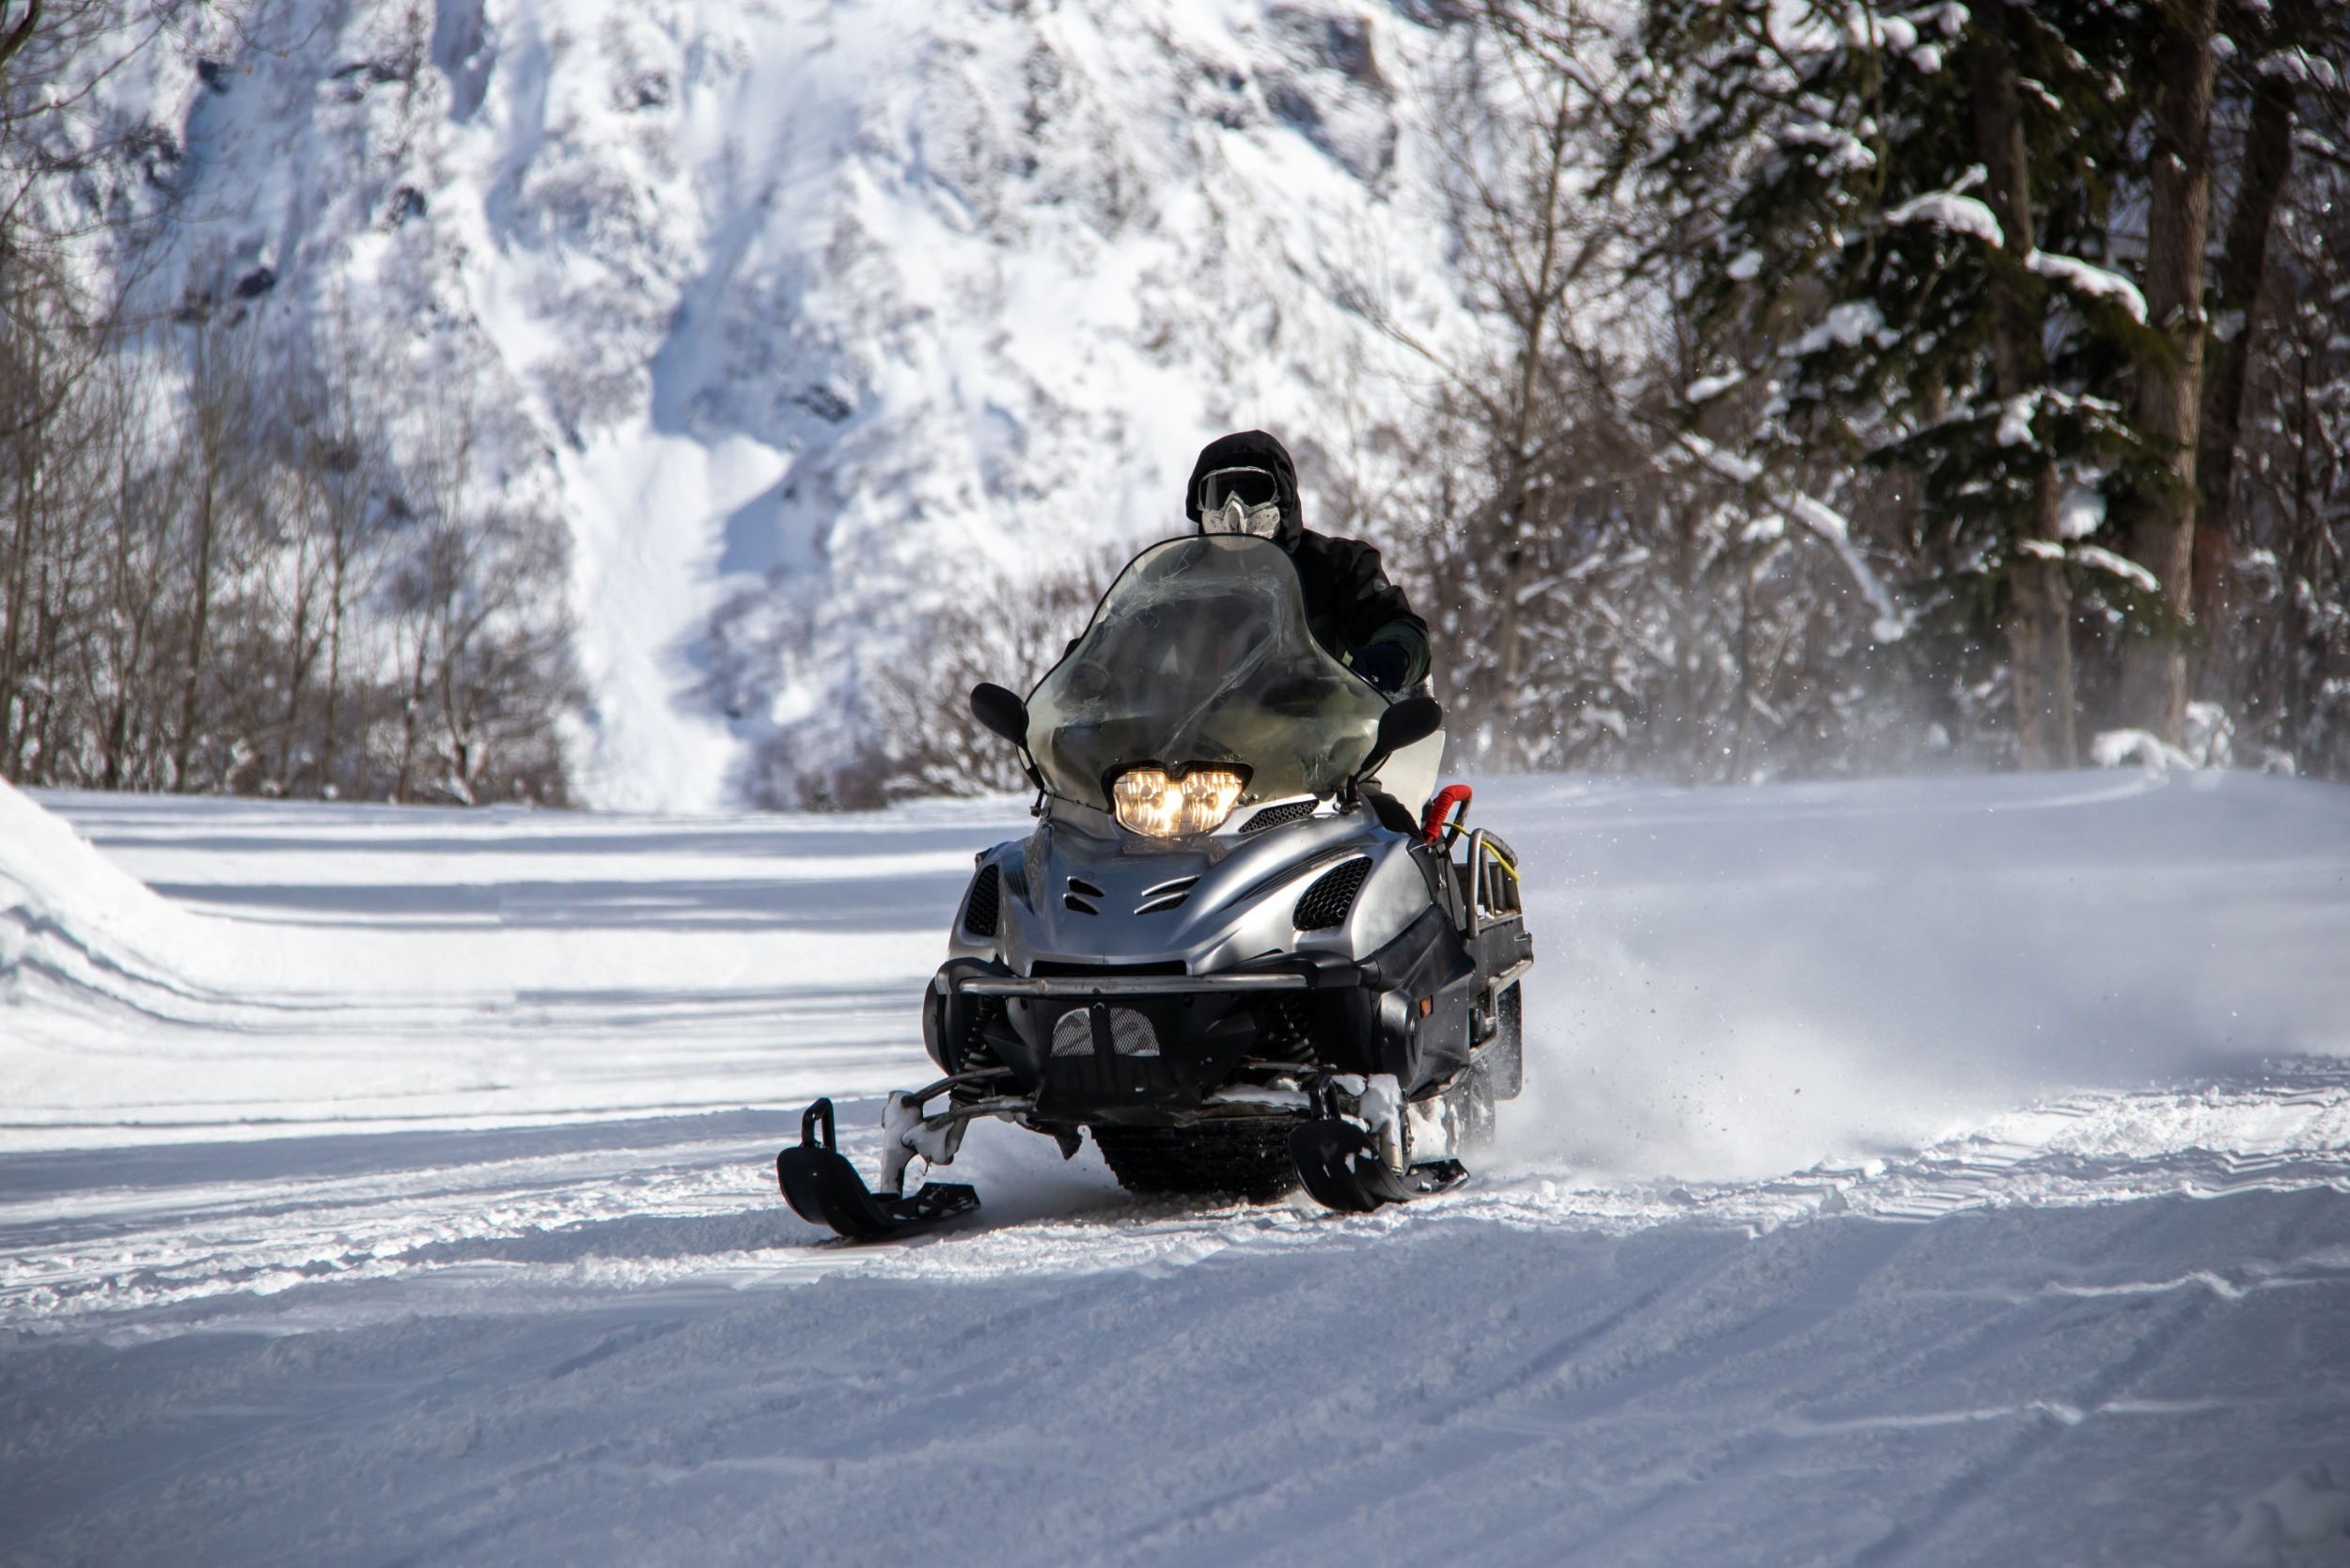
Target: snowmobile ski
824 1188
1342 1169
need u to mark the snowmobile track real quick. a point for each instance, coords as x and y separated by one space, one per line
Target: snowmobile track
1244 1159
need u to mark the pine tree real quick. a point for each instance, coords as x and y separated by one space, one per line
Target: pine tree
1908 222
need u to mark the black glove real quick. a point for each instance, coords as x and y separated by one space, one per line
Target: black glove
1384 665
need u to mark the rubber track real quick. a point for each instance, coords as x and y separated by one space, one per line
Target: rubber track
1247 1159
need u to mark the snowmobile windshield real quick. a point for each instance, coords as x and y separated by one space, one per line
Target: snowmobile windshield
1199 657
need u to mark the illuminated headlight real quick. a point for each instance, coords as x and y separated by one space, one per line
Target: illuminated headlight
1149 802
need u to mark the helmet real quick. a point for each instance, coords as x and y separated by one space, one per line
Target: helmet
1245 483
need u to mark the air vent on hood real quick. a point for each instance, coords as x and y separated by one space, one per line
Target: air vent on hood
1166 895
1277 816
982 908
1326 903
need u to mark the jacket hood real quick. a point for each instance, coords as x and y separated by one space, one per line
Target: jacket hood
1251 449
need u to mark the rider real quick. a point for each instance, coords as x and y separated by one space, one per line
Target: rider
1245 483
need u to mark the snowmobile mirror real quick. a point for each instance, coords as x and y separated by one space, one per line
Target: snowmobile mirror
1407 723
1001 712
1413 719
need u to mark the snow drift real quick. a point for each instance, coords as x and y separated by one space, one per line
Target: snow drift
77 929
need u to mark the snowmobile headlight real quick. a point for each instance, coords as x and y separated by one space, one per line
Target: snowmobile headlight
1151 802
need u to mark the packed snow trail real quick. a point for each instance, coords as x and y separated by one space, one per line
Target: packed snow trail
1913 1172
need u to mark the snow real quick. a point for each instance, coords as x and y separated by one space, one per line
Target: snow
1824 522
1953 211
2304 1508
2015 421
1940 1171
1845 152
2093 556
1706 389
2084 277
1846 325
803 314
2120 566
2081 513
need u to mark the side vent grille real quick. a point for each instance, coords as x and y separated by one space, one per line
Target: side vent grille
1080 896
983 908
1278 816
1326 903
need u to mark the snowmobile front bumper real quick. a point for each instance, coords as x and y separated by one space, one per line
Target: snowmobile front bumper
1126 985
1167 1040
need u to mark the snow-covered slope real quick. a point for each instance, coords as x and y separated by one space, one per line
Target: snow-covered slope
454 1238
807 312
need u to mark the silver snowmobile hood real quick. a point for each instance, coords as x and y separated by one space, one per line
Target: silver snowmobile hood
1074 897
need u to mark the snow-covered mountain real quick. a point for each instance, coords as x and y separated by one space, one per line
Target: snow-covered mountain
808 313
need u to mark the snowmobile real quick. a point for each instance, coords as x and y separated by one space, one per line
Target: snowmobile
1226 952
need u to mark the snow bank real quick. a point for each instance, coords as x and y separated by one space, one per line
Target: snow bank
76 929
349 967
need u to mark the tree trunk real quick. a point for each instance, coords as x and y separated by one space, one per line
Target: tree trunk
20 563
2040 600
2170 380
29 449
200 628
2267 162
21 34
1517 483
339 593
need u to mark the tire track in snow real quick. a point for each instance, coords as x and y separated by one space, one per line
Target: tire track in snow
1478 1429
2040 1430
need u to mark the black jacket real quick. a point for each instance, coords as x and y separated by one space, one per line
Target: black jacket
1350 604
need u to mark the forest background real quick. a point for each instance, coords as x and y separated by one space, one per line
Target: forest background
1954 387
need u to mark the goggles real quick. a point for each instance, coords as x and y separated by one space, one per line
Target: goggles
1251 487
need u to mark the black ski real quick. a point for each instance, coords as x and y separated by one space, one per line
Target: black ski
1340 1167
824 1188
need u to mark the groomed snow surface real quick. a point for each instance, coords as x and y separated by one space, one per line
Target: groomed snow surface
1913 1172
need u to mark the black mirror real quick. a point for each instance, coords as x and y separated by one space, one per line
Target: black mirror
1407 722
1005 714
1415 718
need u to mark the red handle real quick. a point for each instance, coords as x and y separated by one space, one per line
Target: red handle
1432 825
